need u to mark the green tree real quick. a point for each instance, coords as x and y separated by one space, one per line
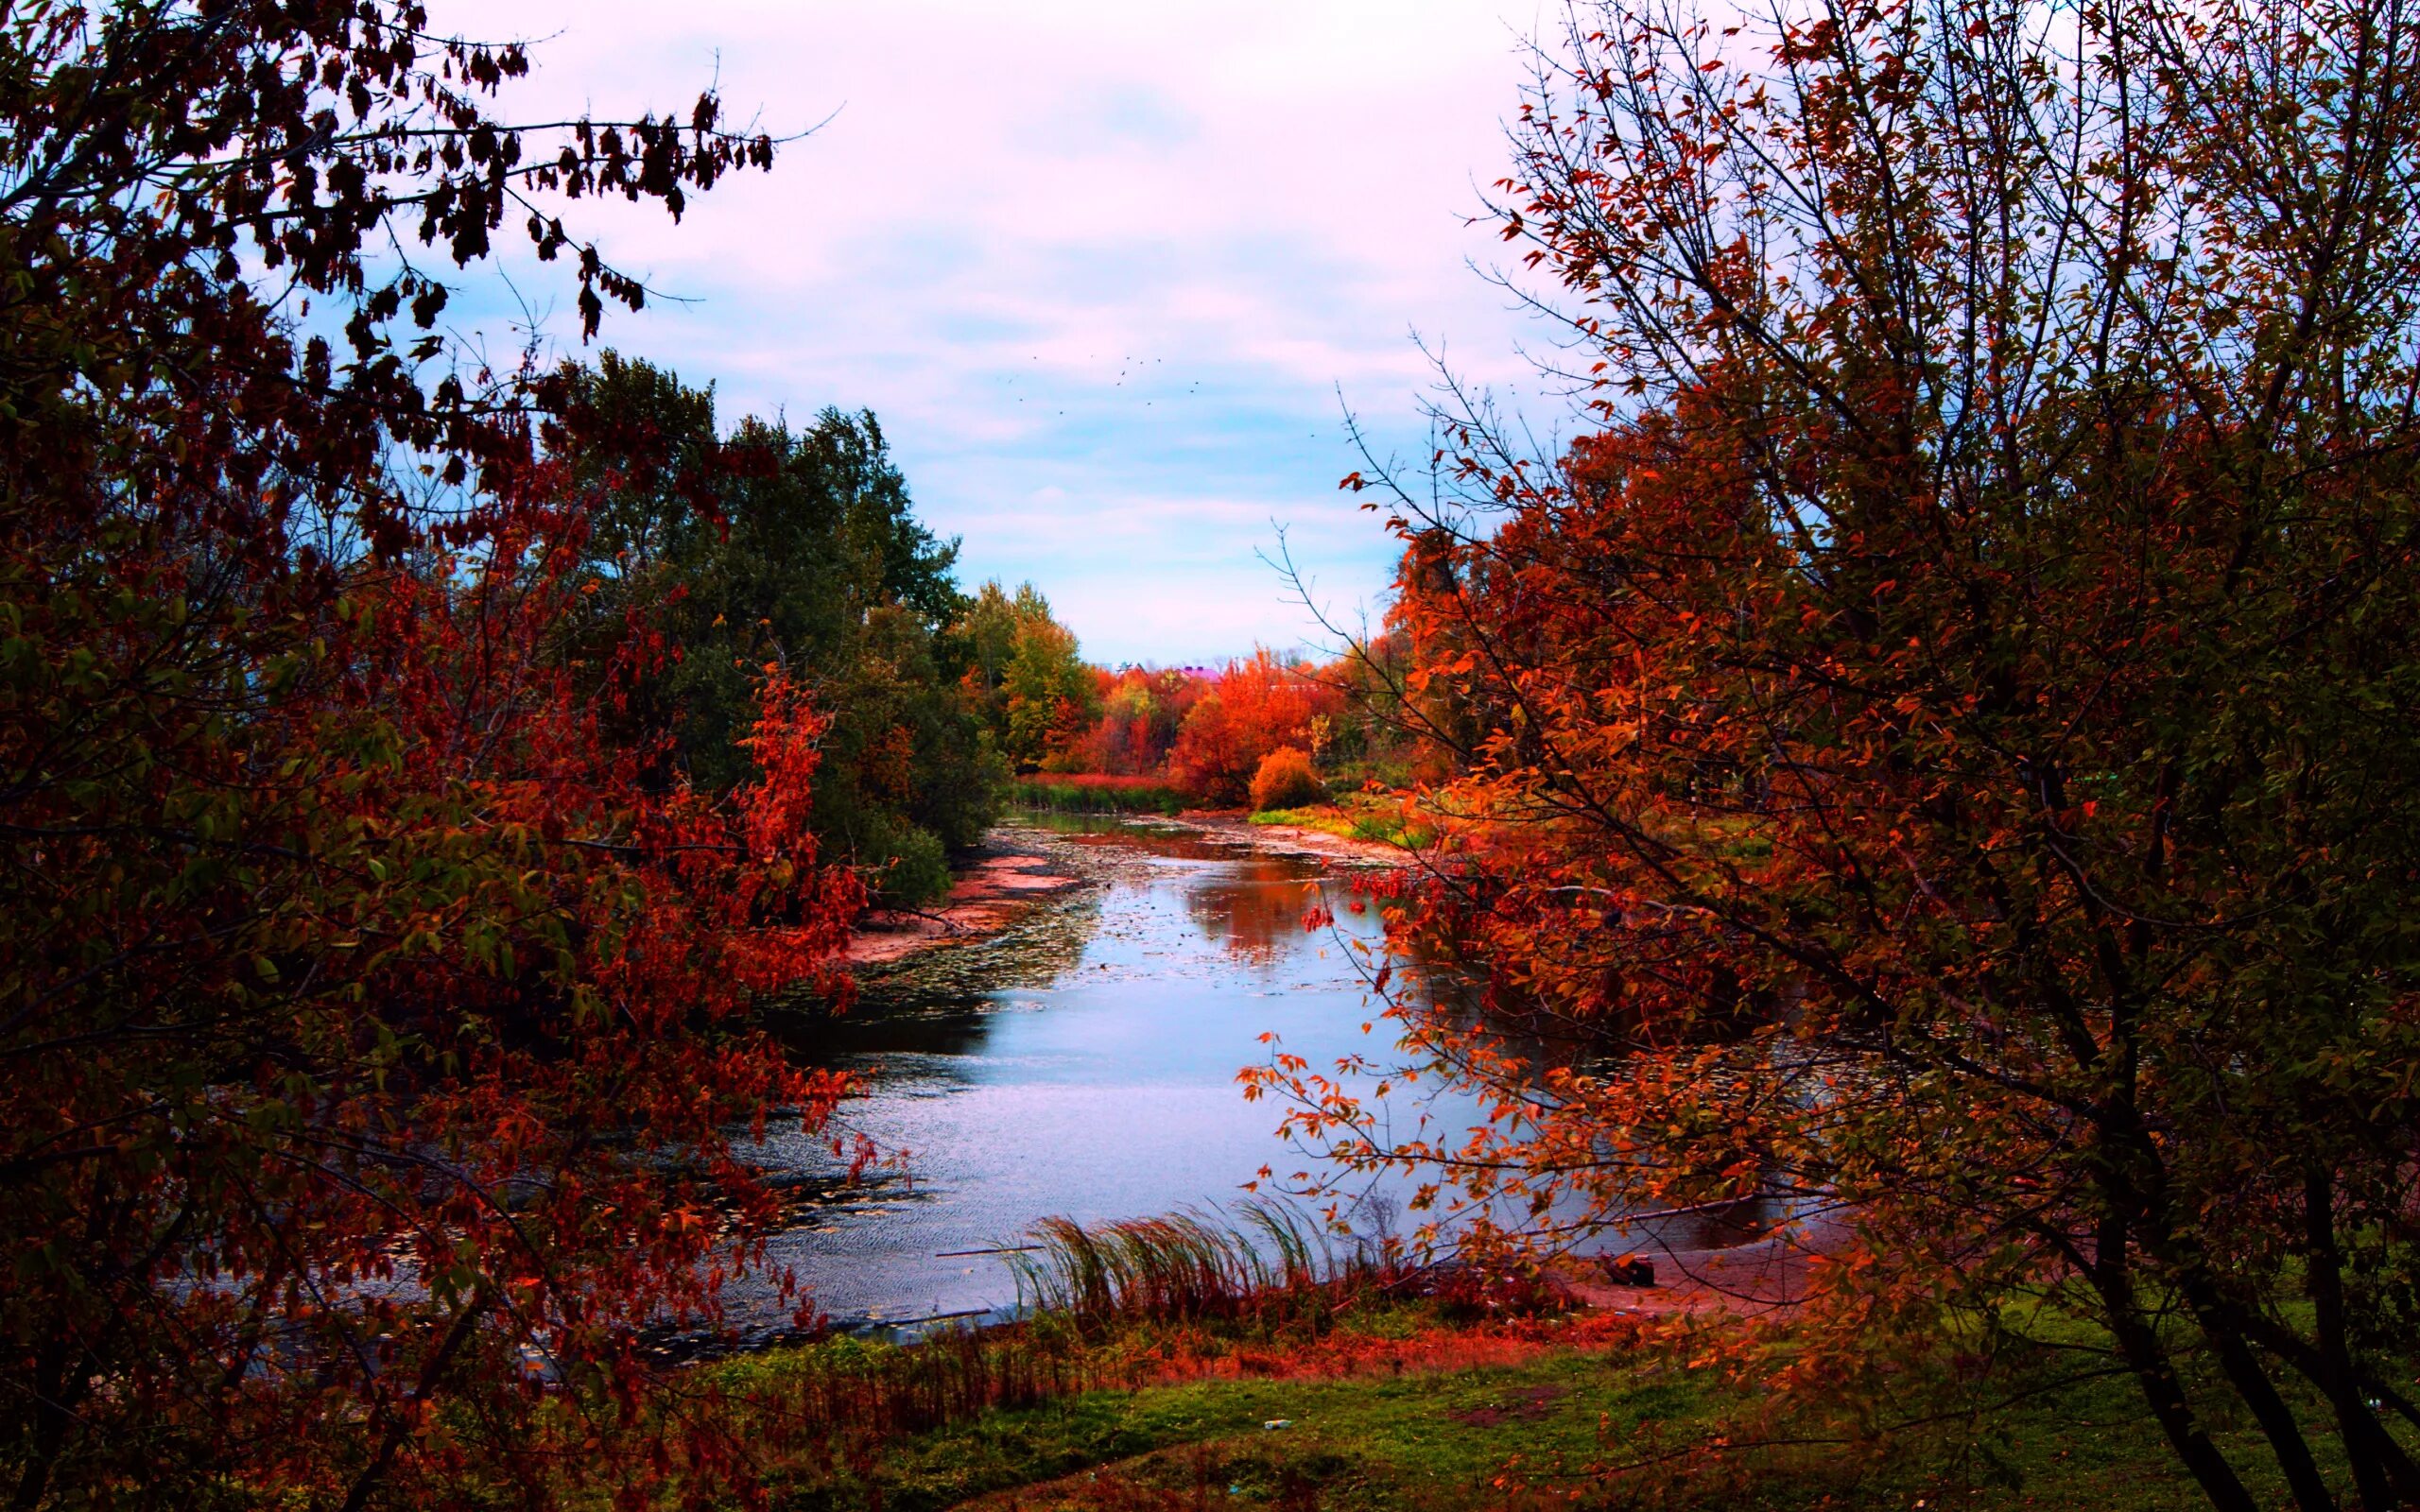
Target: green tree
1037 691
715 558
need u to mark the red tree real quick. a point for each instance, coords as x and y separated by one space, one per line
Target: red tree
1936 763
1256 705
369 1027
1142 710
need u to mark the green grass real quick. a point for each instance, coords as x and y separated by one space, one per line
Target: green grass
1193 1362
1383 823
1051 793
1442 1442
1361 1443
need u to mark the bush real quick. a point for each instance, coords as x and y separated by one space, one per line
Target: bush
905 864
1286 781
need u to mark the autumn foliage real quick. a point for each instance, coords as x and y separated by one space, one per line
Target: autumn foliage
1206 734
1142 709
1284 780
372 1031
1034 690
1256 705
1934 762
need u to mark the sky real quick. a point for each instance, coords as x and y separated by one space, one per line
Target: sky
1109 274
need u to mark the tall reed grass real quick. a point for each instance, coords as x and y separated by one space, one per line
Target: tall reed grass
1268 1265
1110 1305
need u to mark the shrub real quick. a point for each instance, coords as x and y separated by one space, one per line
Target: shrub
1467 1292
906 865
1286 781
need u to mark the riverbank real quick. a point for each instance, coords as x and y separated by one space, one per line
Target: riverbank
1282 838
1021 867
988 893
1078 1058
1392 1406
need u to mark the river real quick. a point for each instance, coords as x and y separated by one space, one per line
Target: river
1082 1064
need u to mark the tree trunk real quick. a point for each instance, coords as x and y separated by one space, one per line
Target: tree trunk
2153 1371
54 1407
2384 1473
2242 1370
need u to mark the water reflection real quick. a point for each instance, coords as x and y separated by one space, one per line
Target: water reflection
1083 1064
1169 845
1254 908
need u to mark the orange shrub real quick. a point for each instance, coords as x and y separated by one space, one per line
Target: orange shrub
1286 781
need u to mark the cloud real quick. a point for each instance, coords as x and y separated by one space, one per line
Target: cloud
1101 268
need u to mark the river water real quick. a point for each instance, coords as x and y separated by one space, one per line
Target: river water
1083 1064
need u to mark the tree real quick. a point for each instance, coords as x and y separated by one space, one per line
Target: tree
370 1025
1943 761
1142 710
799 550
1259 703
1030 674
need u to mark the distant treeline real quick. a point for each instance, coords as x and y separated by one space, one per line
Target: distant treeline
716 557
1267 730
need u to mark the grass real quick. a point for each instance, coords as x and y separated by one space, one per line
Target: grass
1526 1434
1270 1265
1095 792
1355 817
1191 1362
1350 1443
1531 1431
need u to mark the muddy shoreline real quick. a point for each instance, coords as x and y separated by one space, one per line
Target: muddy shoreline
999 886
1020 868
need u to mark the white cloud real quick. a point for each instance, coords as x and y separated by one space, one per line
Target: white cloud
1100 267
